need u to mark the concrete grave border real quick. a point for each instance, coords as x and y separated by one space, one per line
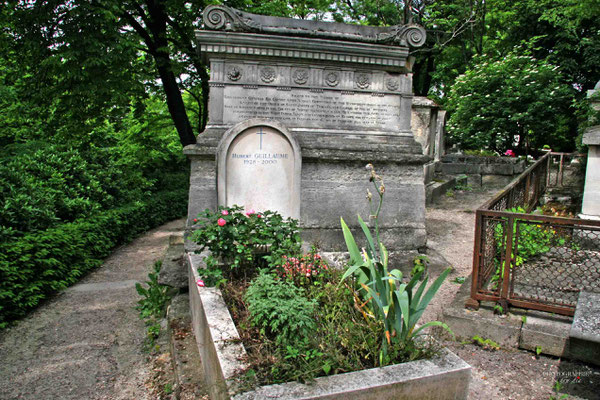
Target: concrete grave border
443 377
227 140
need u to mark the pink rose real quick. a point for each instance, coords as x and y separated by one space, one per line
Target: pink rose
250 212
224 212
258 215
510 153
200 283
221 222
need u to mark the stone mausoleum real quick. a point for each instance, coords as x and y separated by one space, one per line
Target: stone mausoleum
296 110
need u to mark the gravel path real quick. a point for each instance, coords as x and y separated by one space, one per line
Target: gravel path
506 373
86 342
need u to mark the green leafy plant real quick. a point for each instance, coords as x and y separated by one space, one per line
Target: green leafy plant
463 186
246 239
420 266
459 279
538 350
280 309
487 344
381 293
153 304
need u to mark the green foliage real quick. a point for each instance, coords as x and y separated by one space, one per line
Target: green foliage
487 344
383 294
516 94
154 298
481 153
243 239
40 263
152 306
420 266
54 184
280 309
459 279
342 340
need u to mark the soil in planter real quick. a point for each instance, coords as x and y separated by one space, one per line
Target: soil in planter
344 339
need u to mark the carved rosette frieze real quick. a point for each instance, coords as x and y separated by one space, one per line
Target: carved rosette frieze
300 76
392 84
234 73
362 80
268 74
285 77
332 78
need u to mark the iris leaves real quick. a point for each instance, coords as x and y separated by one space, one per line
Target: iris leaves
384 294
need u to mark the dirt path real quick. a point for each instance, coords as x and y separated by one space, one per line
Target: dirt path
507 373
86 343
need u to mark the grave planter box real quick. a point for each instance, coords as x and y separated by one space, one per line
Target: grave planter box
443 377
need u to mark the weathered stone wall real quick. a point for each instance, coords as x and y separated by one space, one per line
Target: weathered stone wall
455 164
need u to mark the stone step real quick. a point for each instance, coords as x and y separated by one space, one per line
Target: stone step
584 337
173 272
435 190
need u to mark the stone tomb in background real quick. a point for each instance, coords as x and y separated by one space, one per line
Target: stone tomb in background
296 110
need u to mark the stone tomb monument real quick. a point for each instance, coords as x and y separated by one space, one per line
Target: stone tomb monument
296 111
591 194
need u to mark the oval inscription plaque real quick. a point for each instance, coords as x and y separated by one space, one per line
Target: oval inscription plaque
260 165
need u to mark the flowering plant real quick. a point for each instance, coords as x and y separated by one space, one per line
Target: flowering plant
239 238
510 153
382 293
304 270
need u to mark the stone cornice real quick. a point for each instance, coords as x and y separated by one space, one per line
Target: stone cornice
233 45
217 17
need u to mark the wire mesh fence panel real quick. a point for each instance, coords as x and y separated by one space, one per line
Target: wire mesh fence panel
535 261
492 249
549 263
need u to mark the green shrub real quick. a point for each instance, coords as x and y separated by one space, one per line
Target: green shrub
245 239
279 309
514 94
40 263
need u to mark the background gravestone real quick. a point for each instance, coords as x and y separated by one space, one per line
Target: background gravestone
591 194
341 93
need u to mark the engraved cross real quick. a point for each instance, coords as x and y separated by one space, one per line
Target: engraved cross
261 133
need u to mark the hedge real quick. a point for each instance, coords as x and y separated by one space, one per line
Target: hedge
41 263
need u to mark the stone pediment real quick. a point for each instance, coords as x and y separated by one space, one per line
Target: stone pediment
224 18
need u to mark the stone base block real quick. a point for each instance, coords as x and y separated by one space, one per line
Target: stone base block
585 331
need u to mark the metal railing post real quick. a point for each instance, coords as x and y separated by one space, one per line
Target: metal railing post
508 258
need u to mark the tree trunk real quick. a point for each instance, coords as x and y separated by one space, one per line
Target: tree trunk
175 102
